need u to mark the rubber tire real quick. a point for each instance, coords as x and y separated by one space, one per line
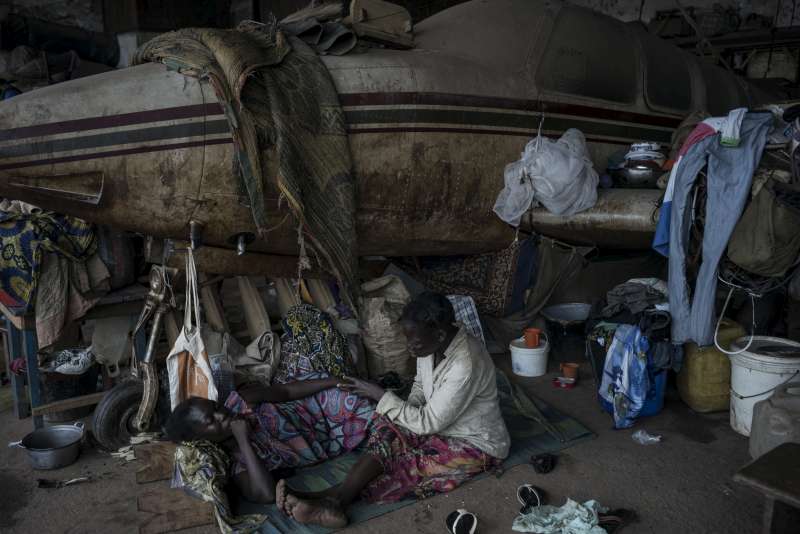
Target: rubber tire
114 415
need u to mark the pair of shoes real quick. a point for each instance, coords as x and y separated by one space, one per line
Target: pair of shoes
529 497
73 362
461 522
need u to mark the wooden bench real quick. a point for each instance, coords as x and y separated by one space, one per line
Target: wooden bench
777 476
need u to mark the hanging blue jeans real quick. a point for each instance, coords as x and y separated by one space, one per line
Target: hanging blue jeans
729 176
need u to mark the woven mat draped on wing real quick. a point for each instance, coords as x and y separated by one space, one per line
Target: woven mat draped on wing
281 103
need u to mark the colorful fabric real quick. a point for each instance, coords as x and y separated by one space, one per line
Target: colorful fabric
625 379
547 431
201 469
305 431
24 238
312 344
420 466
487 278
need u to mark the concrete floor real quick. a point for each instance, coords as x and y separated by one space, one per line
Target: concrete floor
680 485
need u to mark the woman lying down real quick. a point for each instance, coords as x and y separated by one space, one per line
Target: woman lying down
449 430
301 419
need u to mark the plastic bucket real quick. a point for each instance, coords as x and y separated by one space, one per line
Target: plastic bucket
529 362
756 372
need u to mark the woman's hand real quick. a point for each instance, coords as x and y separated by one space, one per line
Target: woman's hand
239 429
252 392
362 388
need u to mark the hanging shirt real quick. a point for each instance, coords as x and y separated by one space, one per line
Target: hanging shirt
730 126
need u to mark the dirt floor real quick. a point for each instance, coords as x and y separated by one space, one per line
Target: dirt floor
680 485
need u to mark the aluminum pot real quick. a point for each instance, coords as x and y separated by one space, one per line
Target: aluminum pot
52 447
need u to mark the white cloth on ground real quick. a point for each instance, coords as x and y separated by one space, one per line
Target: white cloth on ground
571 518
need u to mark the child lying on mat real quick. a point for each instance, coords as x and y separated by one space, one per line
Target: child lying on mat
449 430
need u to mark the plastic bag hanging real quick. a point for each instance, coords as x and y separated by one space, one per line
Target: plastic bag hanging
187 364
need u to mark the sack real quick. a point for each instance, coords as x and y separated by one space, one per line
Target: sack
222 349
558 174
259 360
766 241
187 364
383 301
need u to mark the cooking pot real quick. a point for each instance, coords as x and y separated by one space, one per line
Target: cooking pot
52 447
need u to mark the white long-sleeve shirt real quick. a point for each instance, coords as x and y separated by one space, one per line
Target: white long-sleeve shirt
456 399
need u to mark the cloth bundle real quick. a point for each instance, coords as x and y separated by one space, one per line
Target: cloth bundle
282 107
558 174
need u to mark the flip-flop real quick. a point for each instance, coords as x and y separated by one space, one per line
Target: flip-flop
615 520
461 522
544 463
530 497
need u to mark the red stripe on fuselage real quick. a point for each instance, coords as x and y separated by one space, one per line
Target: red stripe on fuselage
445 99
113 153
111 121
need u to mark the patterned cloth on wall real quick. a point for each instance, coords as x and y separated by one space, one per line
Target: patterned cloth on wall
490 279
24 238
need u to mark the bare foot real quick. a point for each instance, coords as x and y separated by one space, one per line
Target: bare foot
324 512
280 496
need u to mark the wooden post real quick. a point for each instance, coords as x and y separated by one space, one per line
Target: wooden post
215 316
287 294
13 346
31 348
255 313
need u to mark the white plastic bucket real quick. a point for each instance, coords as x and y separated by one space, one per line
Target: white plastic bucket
756 372
529 362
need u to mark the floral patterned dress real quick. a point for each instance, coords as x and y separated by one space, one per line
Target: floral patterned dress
305 431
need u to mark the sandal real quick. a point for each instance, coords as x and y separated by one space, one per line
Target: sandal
529 497
461 522
615 520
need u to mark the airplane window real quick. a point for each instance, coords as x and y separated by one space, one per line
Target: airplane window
668 80
584 58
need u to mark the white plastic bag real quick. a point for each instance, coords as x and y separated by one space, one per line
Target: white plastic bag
558 174
643 437
259 360
187 364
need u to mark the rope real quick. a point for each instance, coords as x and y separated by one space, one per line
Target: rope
722 314
741 397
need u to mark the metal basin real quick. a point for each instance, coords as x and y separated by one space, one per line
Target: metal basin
53 447
567 314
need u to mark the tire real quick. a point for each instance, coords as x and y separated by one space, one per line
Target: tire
113 417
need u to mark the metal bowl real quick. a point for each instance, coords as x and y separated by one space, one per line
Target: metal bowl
567 314
54 446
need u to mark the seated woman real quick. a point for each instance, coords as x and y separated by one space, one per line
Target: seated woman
449 430
290 423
